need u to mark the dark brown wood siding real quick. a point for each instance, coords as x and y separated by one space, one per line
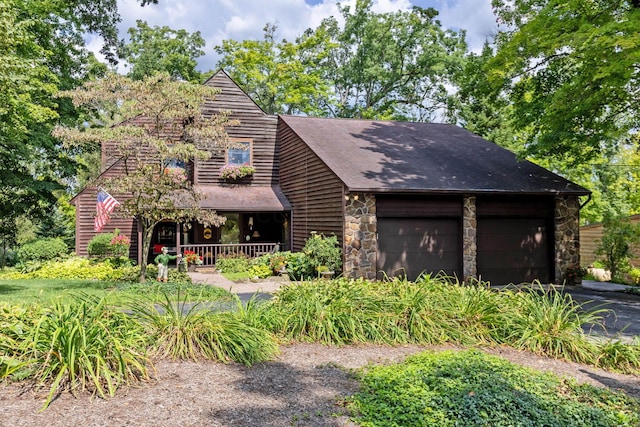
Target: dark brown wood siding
254 125
85 204
314 191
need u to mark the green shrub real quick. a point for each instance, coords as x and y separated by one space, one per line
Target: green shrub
99 245
298 266
42 250
469 388
619 243
322 251
104 245
634 273
260 271
232 263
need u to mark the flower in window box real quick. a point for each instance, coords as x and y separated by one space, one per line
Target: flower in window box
236 171
176 175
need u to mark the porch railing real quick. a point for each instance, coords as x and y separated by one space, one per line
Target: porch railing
210 252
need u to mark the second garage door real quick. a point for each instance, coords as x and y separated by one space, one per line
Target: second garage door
513 250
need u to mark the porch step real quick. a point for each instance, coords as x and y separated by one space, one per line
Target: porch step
206 270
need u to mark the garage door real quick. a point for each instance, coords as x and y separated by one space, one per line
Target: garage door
513 250
411 246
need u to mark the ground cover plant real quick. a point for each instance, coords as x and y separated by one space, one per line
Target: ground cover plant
471 388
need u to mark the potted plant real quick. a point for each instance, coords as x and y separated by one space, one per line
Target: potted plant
233 172
325 272
573 274
192 260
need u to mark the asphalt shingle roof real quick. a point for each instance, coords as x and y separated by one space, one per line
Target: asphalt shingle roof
421 157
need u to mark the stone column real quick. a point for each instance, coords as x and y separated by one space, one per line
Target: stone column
567 235
469 239
360 236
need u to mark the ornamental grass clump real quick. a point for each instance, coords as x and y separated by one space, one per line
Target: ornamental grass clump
549 322
476 313
83 345
619 356
415 310
340 311
185 330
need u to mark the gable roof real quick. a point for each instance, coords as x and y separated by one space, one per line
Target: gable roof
385 156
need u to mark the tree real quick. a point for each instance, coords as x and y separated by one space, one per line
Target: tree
161 49
25 81
281 77
571 71
482 109
155 121
619 242
391 65
385 66
42 50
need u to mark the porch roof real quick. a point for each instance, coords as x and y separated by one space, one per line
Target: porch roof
244 198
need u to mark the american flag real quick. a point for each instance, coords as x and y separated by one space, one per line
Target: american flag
105 205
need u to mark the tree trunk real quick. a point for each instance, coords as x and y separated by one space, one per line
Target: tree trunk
147 234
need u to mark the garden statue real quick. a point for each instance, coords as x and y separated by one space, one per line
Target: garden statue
163 263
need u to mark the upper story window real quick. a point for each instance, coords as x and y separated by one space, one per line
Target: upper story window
239 153
177 169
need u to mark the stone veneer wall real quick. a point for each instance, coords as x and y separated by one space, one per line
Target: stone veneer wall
360 236
469 236
567 235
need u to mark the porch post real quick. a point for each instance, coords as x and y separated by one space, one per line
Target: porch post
139 251
178 235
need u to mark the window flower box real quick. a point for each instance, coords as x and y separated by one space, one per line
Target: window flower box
233 172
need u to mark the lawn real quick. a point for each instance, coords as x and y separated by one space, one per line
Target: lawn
44 291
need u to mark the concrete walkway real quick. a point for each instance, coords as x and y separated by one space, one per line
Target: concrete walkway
604 286
245 290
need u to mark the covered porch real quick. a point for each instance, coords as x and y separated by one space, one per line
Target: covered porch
257 222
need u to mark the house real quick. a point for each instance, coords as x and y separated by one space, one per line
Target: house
403 198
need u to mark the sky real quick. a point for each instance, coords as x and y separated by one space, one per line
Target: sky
219 20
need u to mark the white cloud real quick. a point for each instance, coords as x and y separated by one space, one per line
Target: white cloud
476 17
218 20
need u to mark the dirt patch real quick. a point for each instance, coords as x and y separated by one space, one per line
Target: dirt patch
302 387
